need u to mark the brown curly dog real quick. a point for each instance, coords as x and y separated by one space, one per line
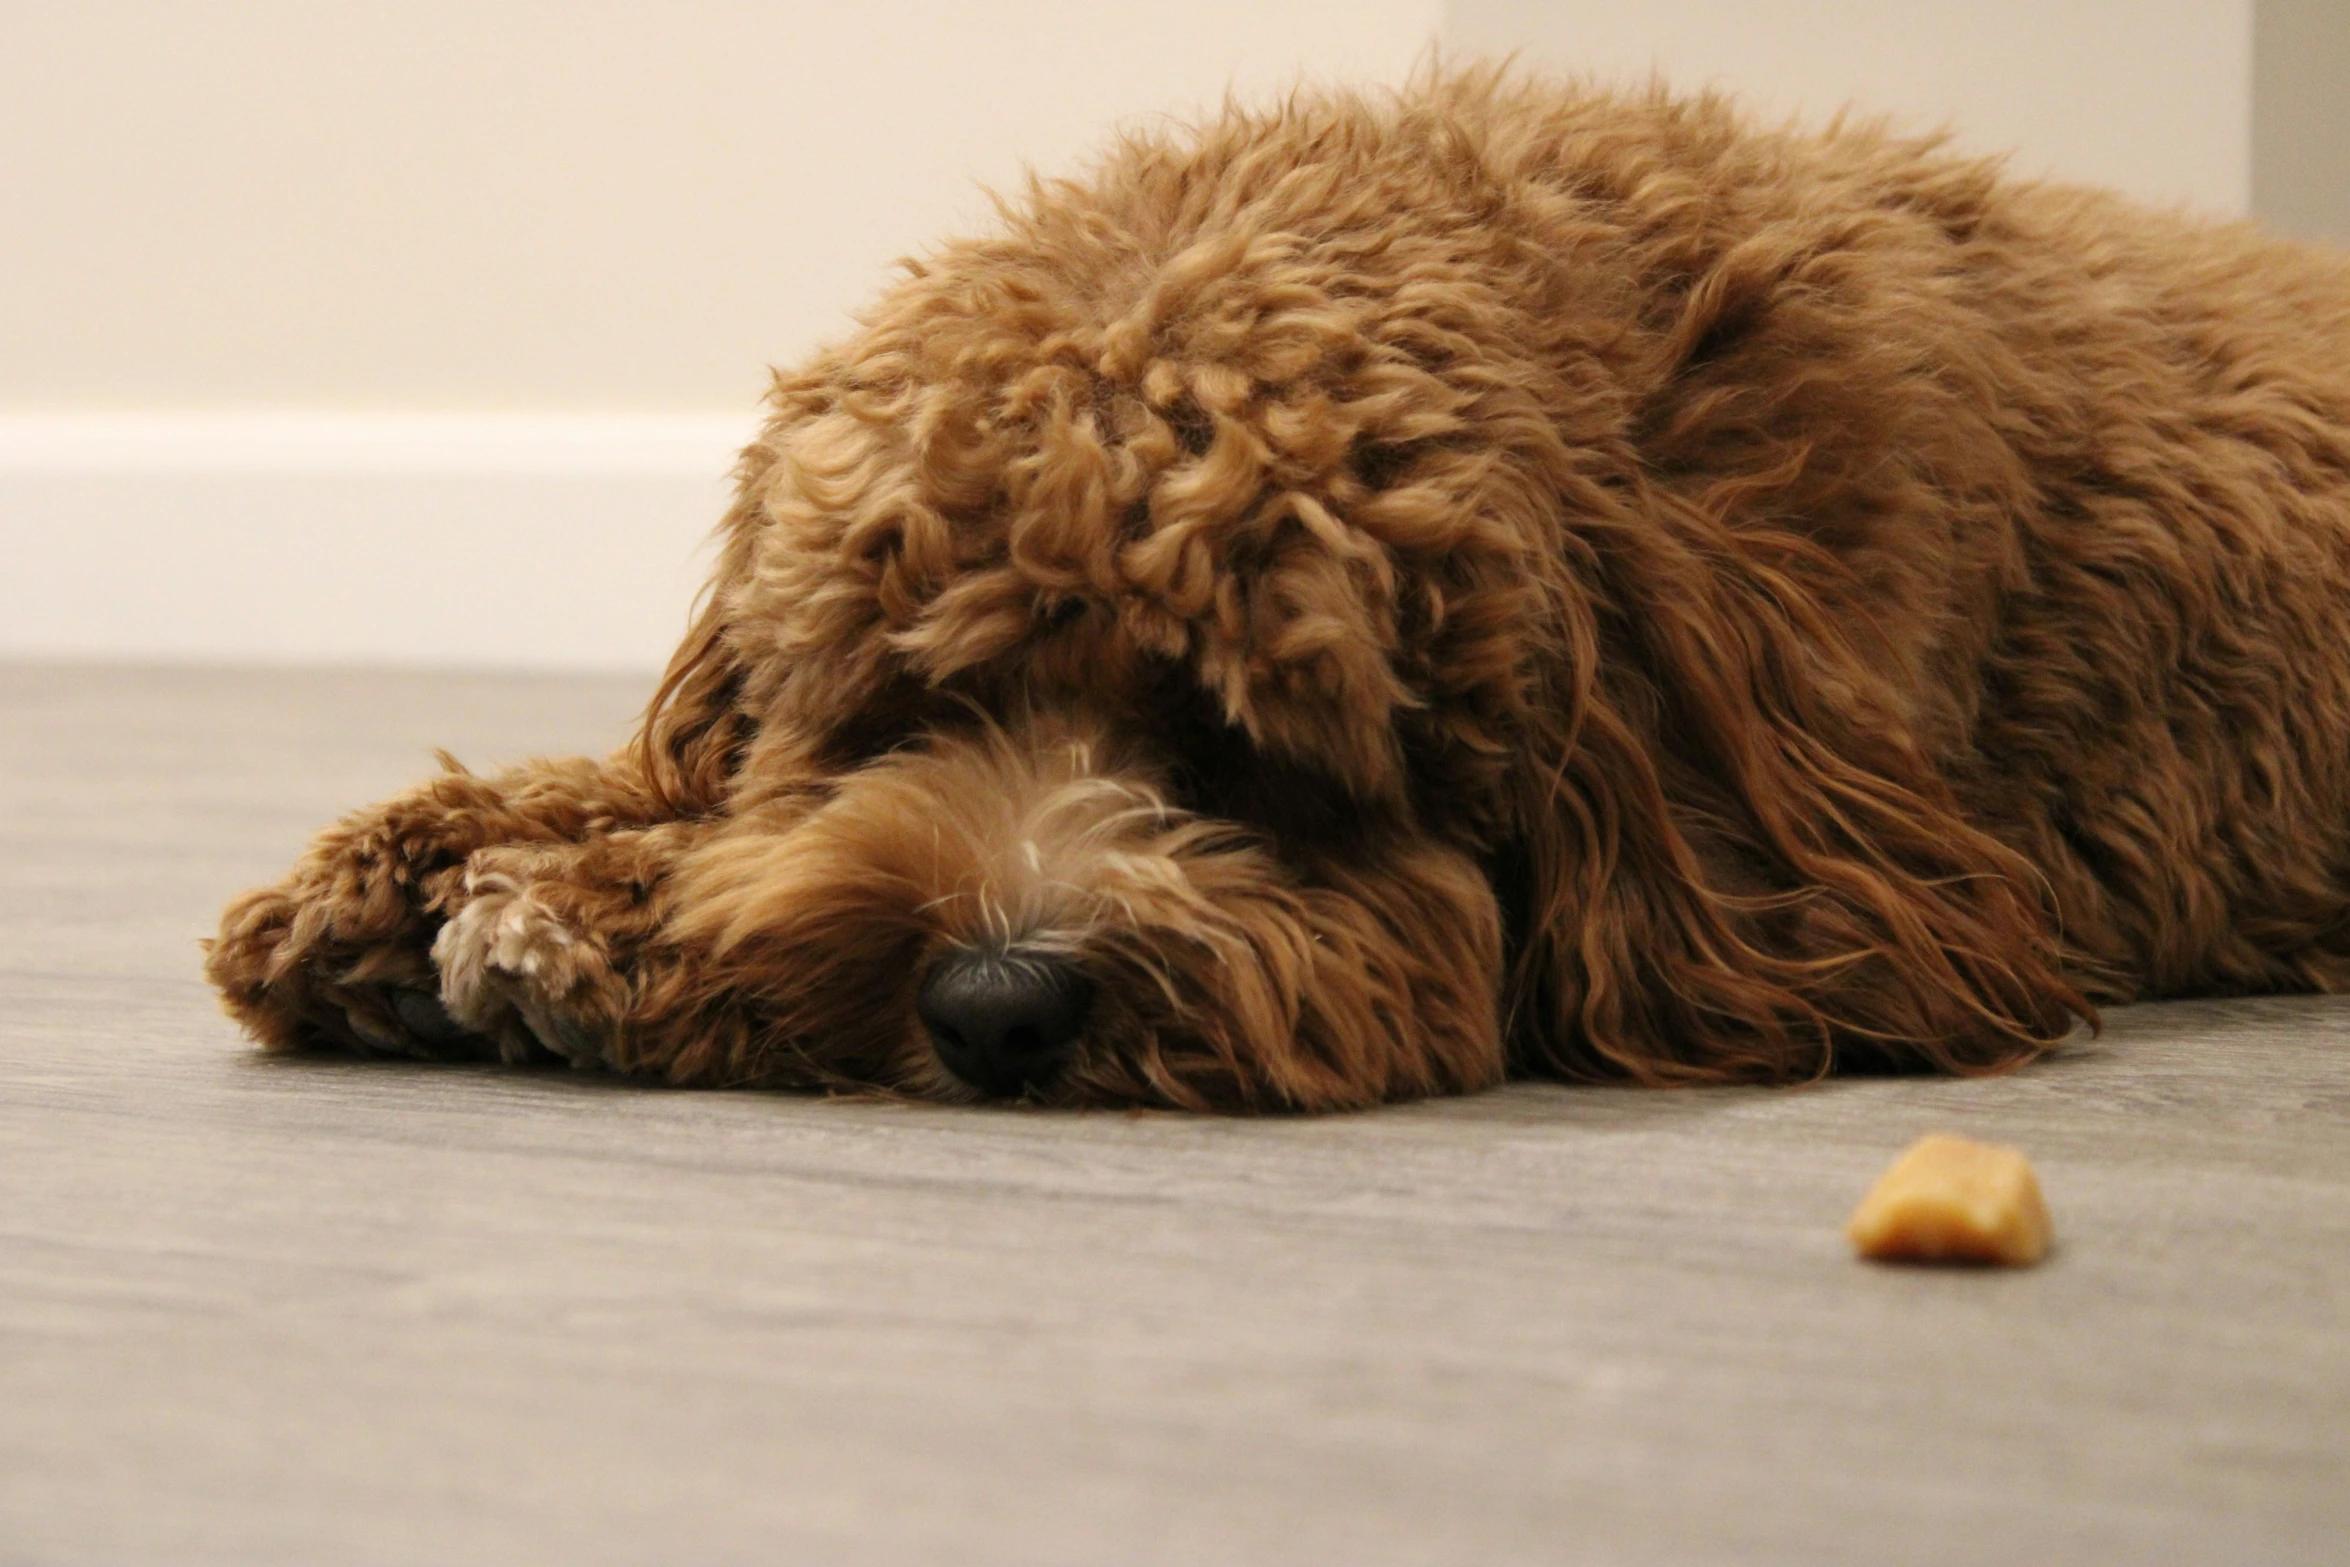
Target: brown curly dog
1362 599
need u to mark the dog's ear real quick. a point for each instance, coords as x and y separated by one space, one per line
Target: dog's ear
1737 864
696 728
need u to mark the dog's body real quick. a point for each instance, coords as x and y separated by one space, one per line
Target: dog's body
1373 597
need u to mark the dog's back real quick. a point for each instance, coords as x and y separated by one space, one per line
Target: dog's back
2088 467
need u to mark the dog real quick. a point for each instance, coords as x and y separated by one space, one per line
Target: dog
1359 599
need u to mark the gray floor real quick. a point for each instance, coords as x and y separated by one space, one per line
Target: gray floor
263 1311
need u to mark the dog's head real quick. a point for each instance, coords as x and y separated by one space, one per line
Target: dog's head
1148 656
1128 636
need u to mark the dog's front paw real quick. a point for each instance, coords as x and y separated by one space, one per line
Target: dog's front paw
335 957
517 970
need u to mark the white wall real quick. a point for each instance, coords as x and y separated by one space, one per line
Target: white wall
2149 96
2301 118
422 330
544 204
255 250
566 541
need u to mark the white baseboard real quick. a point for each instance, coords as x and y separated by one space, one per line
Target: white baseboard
514 541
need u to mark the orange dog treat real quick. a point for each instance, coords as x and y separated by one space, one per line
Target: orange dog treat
1951 1200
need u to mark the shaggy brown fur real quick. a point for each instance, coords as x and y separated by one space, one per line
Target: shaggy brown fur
1394 593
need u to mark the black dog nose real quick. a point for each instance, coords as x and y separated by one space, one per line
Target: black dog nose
1003 1021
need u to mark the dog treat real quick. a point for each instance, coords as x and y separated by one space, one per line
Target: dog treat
1951 1200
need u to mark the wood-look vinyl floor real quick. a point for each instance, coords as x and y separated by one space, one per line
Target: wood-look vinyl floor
259 1311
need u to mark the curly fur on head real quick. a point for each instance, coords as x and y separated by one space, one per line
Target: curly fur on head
1383 593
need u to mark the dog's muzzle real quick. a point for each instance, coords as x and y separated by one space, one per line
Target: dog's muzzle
1003 1021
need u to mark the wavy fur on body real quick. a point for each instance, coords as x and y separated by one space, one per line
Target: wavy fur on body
1404 591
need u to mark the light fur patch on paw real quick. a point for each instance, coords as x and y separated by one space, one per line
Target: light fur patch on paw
1951 1200
506 955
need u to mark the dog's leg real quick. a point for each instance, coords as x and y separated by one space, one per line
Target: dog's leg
551 946
614 953
338 955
